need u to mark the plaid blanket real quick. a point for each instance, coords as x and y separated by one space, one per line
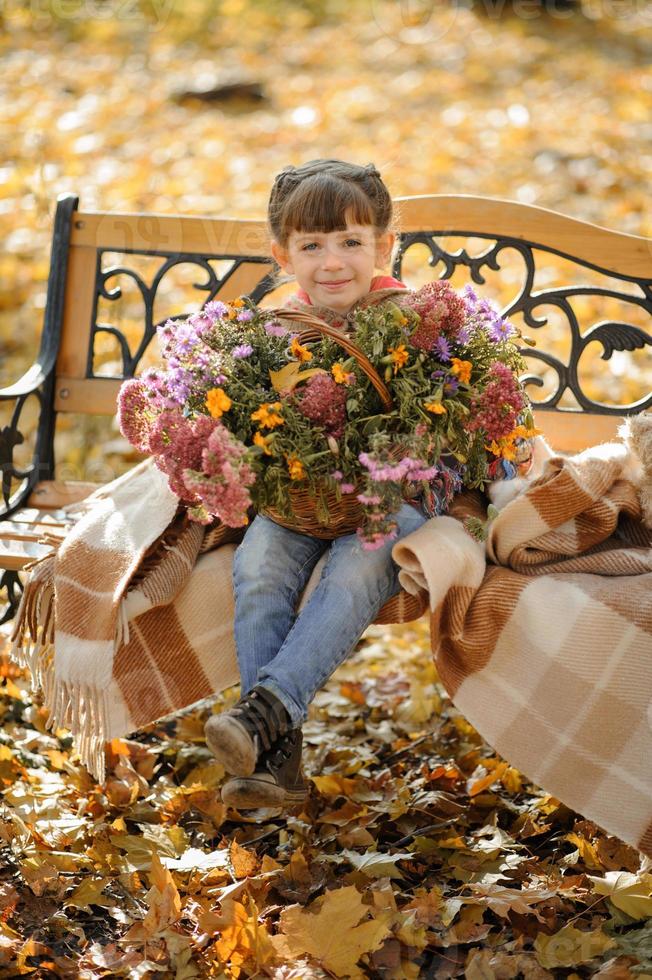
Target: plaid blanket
131 617
547 648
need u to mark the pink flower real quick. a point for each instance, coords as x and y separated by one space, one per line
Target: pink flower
205 465
323 401
497 408
135 413
222 484
373 542
441 311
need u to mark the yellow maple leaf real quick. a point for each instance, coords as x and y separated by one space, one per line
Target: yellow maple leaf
88 893
241 935
163 900
288 377
486 781
332 930
570 947
631 893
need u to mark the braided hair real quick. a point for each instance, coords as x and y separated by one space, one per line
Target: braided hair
320 195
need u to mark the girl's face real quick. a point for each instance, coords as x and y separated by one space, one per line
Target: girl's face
335 268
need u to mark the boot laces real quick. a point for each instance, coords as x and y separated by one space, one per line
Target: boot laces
283 750
262 717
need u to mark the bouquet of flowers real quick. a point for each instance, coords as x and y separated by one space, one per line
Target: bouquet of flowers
244 412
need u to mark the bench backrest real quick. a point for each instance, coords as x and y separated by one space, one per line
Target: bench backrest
607 279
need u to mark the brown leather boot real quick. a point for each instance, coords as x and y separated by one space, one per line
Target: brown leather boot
278 779
237 737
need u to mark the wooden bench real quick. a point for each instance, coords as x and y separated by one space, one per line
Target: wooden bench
536 253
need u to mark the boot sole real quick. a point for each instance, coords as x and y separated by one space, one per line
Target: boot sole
252 794
231 745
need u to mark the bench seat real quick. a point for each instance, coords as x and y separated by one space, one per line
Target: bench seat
21 533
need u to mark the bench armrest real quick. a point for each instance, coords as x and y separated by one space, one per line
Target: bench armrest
35 381
32 379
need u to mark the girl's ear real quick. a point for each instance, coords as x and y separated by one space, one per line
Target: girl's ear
281 256
384 246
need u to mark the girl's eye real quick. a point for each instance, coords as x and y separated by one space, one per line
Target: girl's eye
353 241
309 245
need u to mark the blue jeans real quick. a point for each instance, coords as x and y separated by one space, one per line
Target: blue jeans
292 655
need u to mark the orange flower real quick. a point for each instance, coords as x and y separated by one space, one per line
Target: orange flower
462 369
296 468
399 356
524 432
298 351
217 402
267 415
262 441
507 446
503 447
435 407
341 376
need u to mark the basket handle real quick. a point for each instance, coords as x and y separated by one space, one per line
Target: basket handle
316 328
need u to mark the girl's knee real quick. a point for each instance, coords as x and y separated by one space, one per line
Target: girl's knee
374 573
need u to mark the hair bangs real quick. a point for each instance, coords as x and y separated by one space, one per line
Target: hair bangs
323 203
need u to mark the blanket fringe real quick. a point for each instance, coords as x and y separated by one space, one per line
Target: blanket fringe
80 709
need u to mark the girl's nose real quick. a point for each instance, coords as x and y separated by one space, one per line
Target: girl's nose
332 260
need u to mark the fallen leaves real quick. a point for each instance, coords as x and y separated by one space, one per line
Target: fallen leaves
419 853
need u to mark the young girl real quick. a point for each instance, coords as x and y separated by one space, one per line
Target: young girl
330 228
330 225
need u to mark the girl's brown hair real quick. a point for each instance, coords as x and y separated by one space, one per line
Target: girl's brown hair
321 194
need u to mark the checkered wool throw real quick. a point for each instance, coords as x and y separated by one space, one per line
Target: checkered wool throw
547 647
131 618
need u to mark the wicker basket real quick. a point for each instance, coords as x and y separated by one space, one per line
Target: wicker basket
345 512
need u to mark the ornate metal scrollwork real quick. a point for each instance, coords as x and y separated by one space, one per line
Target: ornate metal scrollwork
11 583
211 287
10 437
613 336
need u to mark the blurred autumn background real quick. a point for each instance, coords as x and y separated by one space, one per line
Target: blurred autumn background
425 854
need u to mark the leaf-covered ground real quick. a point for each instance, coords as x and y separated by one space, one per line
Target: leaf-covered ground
419 852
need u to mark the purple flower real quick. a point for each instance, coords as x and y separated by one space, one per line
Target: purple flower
471 298
244 316
442 347
216 308
242 350
500 329
347 487
275 329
